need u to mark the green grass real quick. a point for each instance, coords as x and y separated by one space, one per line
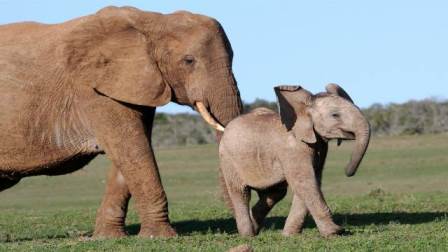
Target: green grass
397 201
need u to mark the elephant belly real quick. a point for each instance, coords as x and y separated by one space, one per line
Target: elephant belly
22 162
262 174
34 141
250 142
53 168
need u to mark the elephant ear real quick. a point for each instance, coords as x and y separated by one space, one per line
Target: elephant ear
293 102
106 52
337 90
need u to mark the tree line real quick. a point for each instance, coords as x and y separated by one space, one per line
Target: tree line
427 116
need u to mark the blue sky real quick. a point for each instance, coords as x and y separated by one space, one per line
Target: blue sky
379 51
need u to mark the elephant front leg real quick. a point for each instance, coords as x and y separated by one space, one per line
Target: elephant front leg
297 214
110 217
308 196
296 218
307 193
122 133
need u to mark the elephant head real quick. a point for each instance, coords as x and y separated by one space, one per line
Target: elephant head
150 59
331 114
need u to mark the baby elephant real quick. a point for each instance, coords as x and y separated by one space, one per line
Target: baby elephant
265 152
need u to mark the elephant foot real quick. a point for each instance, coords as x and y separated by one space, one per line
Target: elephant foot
109 232
241 248
331 230
246 230
291 232
162 230
110 225
247 234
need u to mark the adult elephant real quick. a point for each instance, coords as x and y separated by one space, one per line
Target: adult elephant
71 91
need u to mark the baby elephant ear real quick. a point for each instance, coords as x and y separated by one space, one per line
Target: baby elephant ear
337 90
304 129
292 102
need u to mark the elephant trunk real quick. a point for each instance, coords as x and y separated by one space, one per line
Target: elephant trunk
362 135
224 101
220 103
225 105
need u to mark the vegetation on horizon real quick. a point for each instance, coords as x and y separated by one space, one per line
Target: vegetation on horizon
428 116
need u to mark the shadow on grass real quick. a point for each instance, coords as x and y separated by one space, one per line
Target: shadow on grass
228 225
8 239
365 219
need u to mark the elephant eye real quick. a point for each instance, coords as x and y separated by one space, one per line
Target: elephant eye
189 60
335 115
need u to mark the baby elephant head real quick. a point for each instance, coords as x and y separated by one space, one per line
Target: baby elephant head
331 115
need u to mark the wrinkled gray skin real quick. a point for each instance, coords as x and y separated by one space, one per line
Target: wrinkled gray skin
266 152
91 85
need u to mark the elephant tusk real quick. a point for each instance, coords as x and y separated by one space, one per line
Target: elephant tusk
207 117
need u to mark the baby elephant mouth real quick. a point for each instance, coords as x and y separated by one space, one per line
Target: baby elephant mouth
347 135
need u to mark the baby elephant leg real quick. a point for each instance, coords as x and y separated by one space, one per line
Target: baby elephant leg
240 198
296 218
319 210
268 199
306 189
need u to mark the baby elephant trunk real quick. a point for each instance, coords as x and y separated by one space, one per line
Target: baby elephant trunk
362 135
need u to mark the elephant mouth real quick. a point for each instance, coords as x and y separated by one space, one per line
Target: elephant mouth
208 118
347 135
340 135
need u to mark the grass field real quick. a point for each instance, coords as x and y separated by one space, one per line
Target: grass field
397 201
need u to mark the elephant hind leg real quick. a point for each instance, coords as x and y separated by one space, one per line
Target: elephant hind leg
240 198
6 183
267 200
236 195
110 218
224 190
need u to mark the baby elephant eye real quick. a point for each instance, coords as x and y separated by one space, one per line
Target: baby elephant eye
189 60
335 115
